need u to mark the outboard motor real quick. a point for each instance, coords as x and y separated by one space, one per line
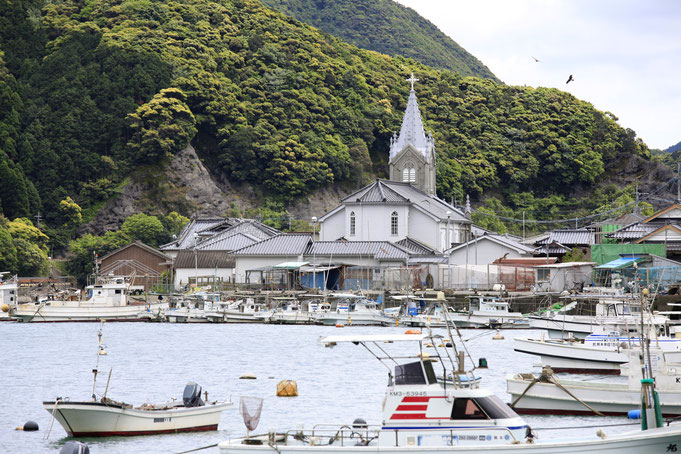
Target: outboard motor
192 395
74 447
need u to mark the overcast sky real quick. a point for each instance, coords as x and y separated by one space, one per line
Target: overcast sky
624 55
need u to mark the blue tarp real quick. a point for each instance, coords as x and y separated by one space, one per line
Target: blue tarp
622 262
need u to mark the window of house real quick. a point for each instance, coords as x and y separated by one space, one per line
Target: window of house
393 223
352 223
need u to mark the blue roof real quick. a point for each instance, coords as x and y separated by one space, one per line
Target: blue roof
622 262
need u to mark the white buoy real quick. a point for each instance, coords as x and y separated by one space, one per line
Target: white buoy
248 377
498 336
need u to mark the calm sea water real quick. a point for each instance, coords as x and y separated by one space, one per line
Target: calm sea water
153 362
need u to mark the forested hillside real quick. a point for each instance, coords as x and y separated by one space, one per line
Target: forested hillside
93 92
387 27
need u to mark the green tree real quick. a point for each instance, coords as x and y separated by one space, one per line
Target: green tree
8 252
147 229
161 127
31 259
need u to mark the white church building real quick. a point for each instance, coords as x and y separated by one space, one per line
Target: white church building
404 207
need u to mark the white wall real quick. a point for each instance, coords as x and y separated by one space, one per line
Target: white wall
372 222
424 229
485 253
334 227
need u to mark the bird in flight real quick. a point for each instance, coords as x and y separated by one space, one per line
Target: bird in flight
536 59
570 79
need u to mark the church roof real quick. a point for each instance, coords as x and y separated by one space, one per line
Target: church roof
397 192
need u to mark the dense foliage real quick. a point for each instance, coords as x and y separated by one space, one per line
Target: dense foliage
90 90
387 27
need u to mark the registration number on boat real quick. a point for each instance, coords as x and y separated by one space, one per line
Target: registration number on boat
408 393
163 419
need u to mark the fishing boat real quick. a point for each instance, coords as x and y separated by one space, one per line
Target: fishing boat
108 299
353 310
289 311
548 394
426 415
488 312
613 312
245 311
433 315
9 291
598 353
105 417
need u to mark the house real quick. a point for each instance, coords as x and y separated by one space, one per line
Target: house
559 277
561 241
404 207
150 266
201 230
486 249
663 228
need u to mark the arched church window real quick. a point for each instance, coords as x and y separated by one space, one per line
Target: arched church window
405 175
393 223
409 173
352 223
412 175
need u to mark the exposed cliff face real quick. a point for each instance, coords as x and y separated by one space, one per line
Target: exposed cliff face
184 185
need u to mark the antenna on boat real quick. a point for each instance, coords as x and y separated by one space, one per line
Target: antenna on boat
100 352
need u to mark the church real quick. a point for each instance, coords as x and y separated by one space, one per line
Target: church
403 209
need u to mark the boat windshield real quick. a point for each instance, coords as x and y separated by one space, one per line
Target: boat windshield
418 373
490 407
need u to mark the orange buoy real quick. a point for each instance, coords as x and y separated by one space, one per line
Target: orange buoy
287 388
412 331
339 325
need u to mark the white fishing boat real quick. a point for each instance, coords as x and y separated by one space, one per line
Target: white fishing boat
354 310
613 312
598 353
246 311
607 397
433 315
289 311
424 415
107 300
488 312
104 417
9 292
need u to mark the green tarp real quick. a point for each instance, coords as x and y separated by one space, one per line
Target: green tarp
604 253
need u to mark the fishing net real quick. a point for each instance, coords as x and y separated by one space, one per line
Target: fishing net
250 407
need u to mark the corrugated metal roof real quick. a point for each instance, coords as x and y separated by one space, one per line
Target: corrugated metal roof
282 244
185 240
380 250
227 243
415 247
204 259
570 237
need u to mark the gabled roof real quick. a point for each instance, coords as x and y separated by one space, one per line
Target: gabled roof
570 237
667 227
634 231
415 247
501 240
206 229
141 245
231 242
664 214
185 240
203 259
380 250
397 192
282 244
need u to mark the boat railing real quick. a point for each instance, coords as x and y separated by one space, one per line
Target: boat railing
329 434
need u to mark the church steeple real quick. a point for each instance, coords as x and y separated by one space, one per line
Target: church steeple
418 170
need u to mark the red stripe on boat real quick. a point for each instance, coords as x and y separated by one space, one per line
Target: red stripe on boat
408 416
416 399
142 432
412 408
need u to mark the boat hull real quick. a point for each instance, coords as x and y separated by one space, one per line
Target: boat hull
654 440
96 419
613 399
82 313
573 358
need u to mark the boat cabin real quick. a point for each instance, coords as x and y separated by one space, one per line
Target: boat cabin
486 304
112 293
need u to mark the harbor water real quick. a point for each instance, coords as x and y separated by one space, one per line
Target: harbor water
153 362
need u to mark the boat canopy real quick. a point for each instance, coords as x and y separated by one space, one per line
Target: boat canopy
356 338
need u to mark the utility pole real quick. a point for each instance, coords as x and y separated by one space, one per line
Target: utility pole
678 182
38 217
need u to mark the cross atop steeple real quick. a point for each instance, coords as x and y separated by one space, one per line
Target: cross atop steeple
412 79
